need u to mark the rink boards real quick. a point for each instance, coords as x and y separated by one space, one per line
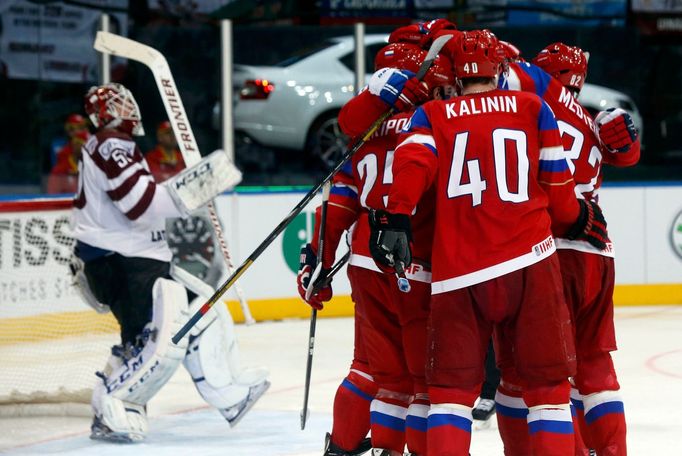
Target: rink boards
645 224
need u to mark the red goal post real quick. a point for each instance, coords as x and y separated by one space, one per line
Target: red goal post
51 342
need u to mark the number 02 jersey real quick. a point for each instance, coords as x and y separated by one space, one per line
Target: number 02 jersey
119 207
502 182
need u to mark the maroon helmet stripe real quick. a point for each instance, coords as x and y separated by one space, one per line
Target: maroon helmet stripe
144 202
122 190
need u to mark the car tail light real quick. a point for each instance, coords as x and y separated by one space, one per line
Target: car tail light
256 89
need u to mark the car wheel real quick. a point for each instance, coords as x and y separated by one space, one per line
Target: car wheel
326 141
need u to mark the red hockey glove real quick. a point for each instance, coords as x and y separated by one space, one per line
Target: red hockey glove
305 270
616 129
389 239
422 33
414 93
434 29
398 88
590 226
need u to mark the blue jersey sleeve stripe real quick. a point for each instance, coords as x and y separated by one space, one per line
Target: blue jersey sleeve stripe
553 166
432 149
546 120
347 168
539 77
418 120
343 191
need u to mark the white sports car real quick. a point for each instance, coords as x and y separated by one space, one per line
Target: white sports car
294 104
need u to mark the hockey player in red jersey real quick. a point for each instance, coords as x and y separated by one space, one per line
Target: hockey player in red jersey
388 368
122 265
557 74
502 186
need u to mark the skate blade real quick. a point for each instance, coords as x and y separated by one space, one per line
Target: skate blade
255 394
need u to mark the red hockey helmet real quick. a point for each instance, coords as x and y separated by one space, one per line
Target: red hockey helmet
478 55
566 63
113 106
511 52
441 75
408 56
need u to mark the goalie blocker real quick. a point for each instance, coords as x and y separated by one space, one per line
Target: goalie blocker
197 185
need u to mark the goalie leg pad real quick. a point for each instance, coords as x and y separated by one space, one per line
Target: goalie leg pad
195 186
116 420
148 367
212 361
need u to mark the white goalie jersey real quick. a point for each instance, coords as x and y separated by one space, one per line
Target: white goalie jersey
118 206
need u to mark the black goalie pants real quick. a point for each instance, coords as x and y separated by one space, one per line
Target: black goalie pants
125 285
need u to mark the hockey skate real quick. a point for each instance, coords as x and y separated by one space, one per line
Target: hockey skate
234 414
332 450
482 413
100 431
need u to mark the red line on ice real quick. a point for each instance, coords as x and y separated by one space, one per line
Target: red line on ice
651 364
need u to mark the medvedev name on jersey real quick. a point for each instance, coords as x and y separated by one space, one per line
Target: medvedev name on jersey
467 106
568 100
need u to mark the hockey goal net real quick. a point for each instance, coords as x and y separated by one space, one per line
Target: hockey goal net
51 342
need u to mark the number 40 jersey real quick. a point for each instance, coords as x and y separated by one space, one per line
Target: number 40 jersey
502 183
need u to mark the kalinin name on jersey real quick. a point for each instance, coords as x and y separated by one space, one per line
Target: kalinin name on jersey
467 106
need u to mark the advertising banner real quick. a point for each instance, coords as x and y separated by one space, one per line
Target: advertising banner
53 41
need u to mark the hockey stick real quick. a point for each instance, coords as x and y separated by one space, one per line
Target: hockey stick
311 287
111 43
426 64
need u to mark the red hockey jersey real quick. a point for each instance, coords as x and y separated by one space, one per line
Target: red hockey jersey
364 182
583 149
502 183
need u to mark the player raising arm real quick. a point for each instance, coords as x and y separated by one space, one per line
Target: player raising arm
122 264
501 184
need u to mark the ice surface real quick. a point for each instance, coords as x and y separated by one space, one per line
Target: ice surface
649 364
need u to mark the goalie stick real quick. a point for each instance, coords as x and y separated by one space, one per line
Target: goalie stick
111 43
437 45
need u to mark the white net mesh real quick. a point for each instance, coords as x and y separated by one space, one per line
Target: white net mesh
51 343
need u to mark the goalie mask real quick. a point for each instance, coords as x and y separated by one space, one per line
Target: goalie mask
113 106
566 63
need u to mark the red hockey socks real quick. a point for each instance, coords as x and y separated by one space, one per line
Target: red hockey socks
511 414
449 421
351 410
388 412
605 419
550 425
415 424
